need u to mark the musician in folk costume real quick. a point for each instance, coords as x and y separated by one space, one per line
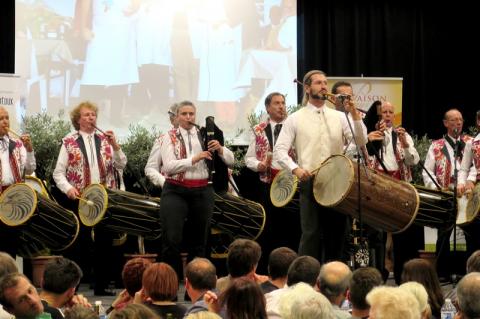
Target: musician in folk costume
259 159
154 163
440 165
467 181
87 157
17 158
187 194
317 132
398 154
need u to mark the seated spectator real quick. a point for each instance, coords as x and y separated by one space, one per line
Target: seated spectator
243 298
134 311
303 269
473 265
80 312
132 274
333 283
422 271
278 262
242 260
160 289
419 292
392 303
200 276
60 279
468 294
7 266
203 315
19 297
302 301
363 280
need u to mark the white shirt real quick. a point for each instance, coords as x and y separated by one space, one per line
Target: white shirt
466 172
251 160
172 165
59 174
411 154
154 163
27 162
289 132
430 166
350 149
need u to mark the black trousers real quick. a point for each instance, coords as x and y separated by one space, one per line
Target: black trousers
324 231
181 205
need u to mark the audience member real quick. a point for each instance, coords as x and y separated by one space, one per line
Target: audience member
473 265
392 303
363 280
468 293
422 271
279 261
242 299
303 269
132 275
134 311
301 301
60 279
200 276
420 293
160 286
80 312
203 315
333 283
19 297
7 266
242 261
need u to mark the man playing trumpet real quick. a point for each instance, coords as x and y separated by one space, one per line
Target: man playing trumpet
86 158
16 159
317 132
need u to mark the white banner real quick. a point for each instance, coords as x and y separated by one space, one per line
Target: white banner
11 98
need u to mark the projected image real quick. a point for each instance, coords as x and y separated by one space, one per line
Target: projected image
134 58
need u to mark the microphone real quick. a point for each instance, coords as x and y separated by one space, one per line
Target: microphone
455 132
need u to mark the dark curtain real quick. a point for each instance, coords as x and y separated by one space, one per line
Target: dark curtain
429 46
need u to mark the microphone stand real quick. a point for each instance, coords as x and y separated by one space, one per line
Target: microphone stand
454 276
363 246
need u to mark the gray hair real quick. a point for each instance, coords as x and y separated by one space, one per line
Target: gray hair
468 295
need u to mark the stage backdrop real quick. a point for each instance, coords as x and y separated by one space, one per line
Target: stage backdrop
366 90
135 58
12 99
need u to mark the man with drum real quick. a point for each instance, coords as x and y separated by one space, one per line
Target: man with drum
440 170
317 132
467 184
398 154
259 159
17 158
187 194
85 158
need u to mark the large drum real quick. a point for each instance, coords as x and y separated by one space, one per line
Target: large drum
436 208
468 207
120 211
38 218
386 203
284 189
237 216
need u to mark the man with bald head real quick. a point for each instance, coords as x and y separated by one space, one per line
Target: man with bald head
468 294
398 154
440 165
16 159
333 282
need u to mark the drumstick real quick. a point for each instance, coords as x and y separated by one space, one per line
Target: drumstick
14 133
86 201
